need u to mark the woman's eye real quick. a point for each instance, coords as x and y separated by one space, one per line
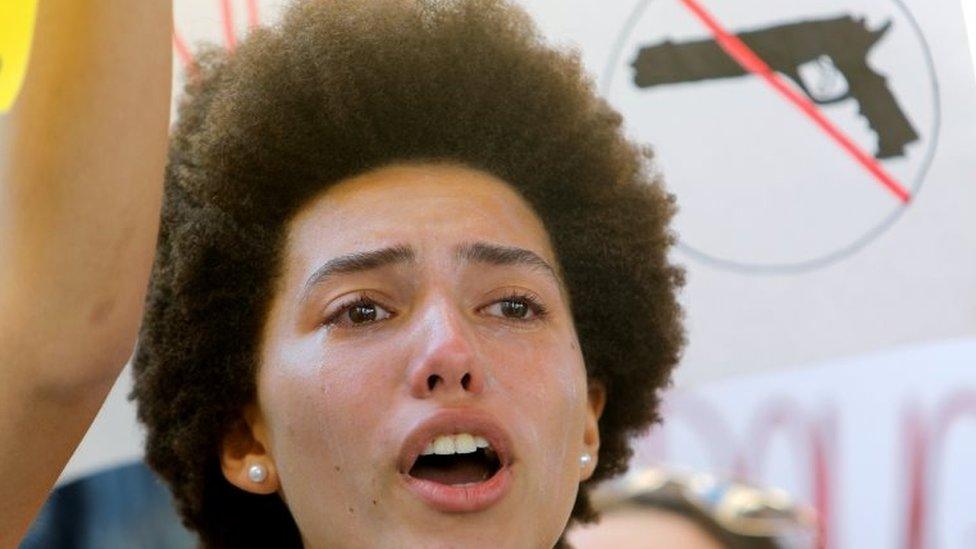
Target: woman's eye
358 313
517 308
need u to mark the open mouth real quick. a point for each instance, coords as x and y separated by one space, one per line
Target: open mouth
456 460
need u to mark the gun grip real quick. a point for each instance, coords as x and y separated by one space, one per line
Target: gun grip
884 115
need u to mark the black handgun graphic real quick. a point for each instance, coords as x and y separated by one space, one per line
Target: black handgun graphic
838 44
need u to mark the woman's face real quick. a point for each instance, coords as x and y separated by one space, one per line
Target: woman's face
420 316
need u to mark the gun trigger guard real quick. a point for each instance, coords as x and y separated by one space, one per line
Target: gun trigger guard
798 80
833 100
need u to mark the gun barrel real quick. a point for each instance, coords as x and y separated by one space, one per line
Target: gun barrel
782 47
670 63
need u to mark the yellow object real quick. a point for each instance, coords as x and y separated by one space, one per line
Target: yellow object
16 32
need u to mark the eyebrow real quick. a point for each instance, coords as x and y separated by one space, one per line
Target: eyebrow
357 262
476 252
493 254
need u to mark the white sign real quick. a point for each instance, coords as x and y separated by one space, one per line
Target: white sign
882 444
800 248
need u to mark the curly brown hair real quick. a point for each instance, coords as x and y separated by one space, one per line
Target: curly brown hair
340 87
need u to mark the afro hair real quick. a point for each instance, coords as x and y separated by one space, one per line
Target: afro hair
340 87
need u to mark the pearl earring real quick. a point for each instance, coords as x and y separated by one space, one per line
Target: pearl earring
257 473
585 459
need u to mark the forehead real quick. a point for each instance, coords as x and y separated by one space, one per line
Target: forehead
433 207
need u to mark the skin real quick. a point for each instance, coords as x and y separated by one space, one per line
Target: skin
81 173
335 402
643 529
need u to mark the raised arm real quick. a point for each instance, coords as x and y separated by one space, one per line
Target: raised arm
80 191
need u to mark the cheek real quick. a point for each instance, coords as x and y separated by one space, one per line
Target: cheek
322 407
546 381
547 402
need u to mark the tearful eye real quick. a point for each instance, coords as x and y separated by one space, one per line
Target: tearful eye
360 312
514 309
517 308
363 313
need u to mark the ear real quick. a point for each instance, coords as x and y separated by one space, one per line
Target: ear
245 445
597 398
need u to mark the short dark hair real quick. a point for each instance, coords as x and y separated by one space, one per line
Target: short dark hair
340 87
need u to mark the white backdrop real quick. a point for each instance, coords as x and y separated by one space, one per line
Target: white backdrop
811 287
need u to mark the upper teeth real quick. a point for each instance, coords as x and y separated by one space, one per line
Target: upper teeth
463 443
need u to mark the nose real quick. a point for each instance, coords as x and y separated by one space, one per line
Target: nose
447 365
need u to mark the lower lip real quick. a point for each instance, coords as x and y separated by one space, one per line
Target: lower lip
461 498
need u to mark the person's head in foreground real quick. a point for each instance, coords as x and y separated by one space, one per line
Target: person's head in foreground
411 287
658 509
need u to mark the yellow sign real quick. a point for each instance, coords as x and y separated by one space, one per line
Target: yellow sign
16 32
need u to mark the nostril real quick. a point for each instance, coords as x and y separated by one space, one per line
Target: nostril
432 381
466 381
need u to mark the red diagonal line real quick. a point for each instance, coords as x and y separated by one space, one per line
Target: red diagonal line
183 52
230 37
744 56
252 14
